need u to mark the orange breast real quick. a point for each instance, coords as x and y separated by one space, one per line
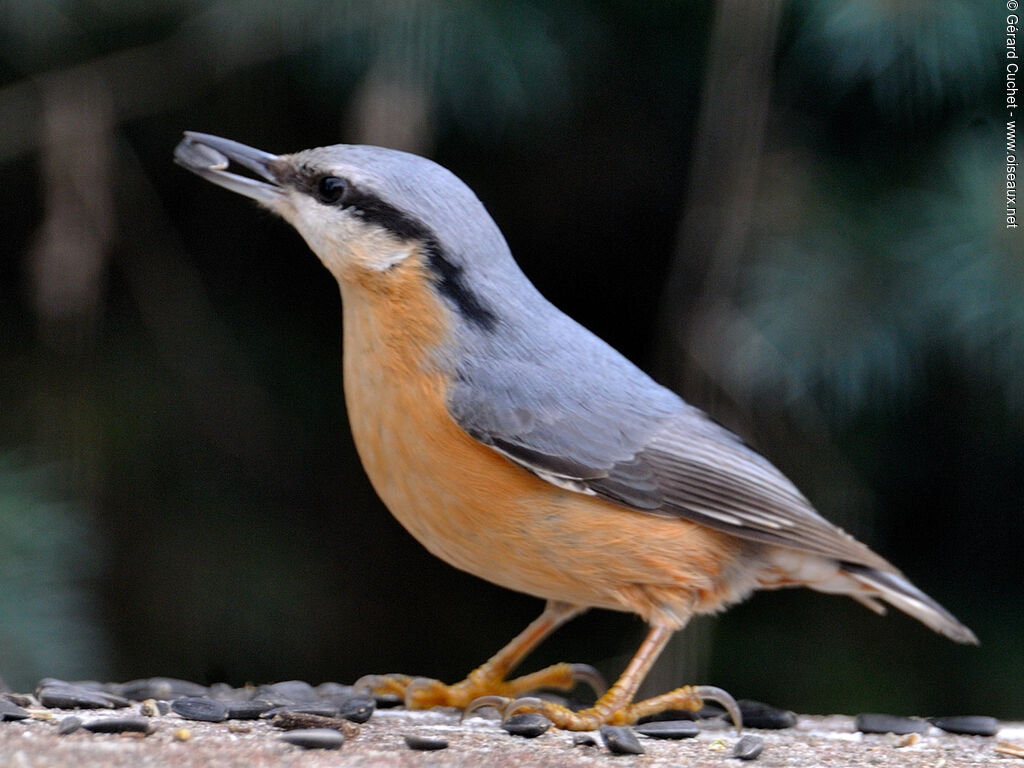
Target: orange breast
482 513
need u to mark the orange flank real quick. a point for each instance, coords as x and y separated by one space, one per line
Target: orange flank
479 512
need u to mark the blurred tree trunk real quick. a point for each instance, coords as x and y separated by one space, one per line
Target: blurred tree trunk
66 266
697 305
389 110
71 249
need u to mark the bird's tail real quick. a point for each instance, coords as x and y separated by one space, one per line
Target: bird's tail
896 590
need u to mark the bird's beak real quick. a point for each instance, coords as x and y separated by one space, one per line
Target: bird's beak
209 156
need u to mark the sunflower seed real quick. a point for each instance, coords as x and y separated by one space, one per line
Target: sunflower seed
972 725
247 710
529 725
11 711
287 691
425 743
669 729
870 722
120 725
357 708
159 688
748 747
334 690
314 738
757 714
621 740
67 696
323 710
69 724
195 708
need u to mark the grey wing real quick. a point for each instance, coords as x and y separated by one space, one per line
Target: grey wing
633 442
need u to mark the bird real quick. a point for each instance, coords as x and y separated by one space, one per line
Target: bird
516 445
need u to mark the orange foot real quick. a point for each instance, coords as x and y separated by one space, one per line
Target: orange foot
613 708
616 707
490 678
423 693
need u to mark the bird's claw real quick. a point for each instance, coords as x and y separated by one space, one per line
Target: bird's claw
584 673
497 702
415 692
424 692
382 685
689 697
723 698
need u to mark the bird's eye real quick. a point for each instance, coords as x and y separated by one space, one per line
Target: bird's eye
330 190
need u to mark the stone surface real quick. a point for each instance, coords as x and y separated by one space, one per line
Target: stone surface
480 743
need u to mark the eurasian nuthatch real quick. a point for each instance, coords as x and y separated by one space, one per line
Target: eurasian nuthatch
517 446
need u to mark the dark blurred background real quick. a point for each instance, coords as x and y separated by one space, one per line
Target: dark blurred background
791 213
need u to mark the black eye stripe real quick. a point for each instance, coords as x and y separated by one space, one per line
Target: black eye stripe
336 191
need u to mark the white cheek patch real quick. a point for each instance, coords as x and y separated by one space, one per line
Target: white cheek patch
383 261
343 240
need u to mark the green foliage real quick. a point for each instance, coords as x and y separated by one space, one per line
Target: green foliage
914 58
855 291
49 560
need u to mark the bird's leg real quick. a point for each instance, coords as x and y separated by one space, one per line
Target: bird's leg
489 678
616 707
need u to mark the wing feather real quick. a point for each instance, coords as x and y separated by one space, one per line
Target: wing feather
668 458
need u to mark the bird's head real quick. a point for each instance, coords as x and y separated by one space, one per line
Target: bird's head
366 210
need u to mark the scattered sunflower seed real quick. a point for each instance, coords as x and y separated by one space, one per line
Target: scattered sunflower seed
19 699
971 725
621 740
748 747
287 691
529 725
757 714
357 708
870 722
247 710
66 696
315 738
583 740
669 729
159 688
69 724
194 708
11 711
334 690
425 743
322 710
120 725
